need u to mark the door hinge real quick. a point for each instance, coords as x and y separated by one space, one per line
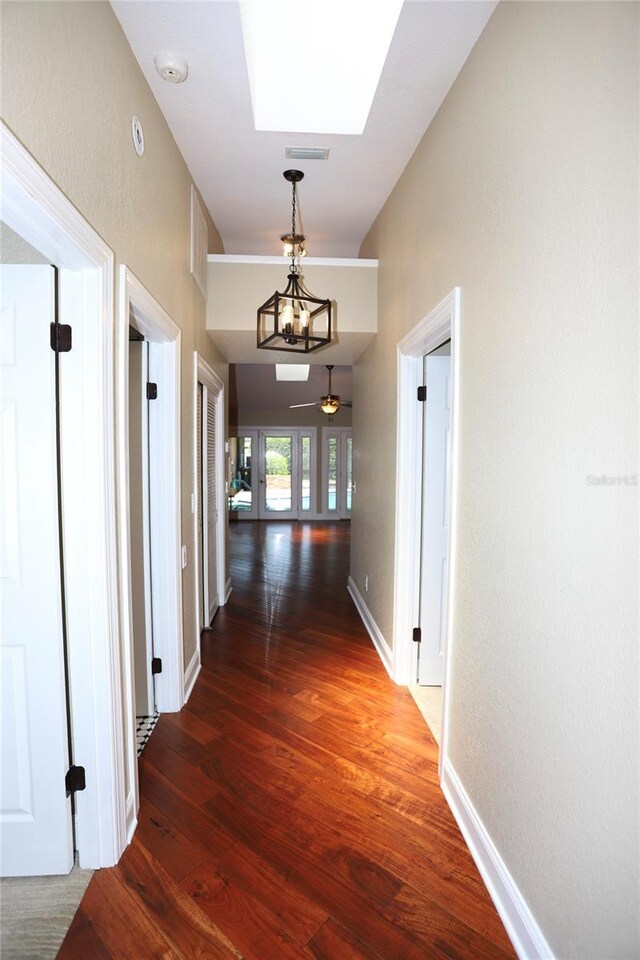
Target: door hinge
152 391
75 780
417 635
60 337
156 665
422 394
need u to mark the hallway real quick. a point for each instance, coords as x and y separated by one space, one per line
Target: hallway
292 808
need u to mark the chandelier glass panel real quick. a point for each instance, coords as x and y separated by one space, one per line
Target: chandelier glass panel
293 320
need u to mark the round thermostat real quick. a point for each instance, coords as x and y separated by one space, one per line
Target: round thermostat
138 135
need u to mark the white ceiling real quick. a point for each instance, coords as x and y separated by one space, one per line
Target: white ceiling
239 171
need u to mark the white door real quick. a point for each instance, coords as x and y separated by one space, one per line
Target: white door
435 514
35 813
279 482
210 503
142 615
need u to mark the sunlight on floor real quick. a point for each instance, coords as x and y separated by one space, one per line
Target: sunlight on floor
429 701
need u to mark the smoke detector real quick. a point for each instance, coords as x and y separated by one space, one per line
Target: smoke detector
171 68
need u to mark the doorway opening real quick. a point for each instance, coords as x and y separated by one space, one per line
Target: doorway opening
434 551
212 585
162 599
428 362
142 393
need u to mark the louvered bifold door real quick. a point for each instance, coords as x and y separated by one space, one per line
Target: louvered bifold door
202 615
212 506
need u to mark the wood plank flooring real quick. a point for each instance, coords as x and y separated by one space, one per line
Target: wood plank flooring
291 810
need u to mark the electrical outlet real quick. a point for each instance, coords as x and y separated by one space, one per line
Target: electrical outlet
366 583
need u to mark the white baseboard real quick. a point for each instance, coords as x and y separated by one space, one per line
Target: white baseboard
191 673
228 587
379 642
525 934
131 815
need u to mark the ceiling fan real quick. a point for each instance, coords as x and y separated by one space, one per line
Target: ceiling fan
330 403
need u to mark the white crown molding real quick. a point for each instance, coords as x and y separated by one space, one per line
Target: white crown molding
282 261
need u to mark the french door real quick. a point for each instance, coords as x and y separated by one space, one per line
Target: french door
272 474
337 472
278 490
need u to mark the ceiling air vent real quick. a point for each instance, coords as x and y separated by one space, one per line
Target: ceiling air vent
307 153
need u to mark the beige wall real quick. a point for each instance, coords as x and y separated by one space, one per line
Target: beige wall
69 87
524 192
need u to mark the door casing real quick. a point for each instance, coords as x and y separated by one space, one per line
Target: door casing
35 208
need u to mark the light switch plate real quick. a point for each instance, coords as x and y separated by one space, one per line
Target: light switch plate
184 555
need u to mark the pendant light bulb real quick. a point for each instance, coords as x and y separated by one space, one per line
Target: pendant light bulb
286 315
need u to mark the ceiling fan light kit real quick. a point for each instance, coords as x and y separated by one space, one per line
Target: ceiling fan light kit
286 320
330 403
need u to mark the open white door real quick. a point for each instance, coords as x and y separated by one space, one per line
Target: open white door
35 813
140 535
435 520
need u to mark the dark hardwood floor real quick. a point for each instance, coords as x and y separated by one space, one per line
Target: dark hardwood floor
292 808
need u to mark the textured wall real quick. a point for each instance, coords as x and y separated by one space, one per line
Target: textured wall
69 87
524 192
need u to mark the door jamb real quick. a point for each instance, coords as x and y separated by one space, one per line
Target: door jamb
33 206
441 324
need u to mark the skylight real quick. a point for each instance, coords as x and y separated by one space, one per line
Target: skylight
292 371
314 65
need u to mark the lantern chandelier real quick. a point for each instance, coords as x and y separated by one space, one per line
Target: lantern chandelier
294 321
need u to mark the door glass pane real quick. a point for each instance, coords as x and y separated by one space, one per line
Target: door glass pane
241 487
278 457
332 475
305 473
349 471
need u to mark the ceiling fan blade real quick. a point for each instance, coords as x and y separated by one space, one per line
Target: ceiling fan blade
346 403
292 406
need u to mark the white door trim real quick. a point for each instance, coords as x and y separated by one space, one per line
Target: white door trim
164 337
441 324
34 207
209 379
